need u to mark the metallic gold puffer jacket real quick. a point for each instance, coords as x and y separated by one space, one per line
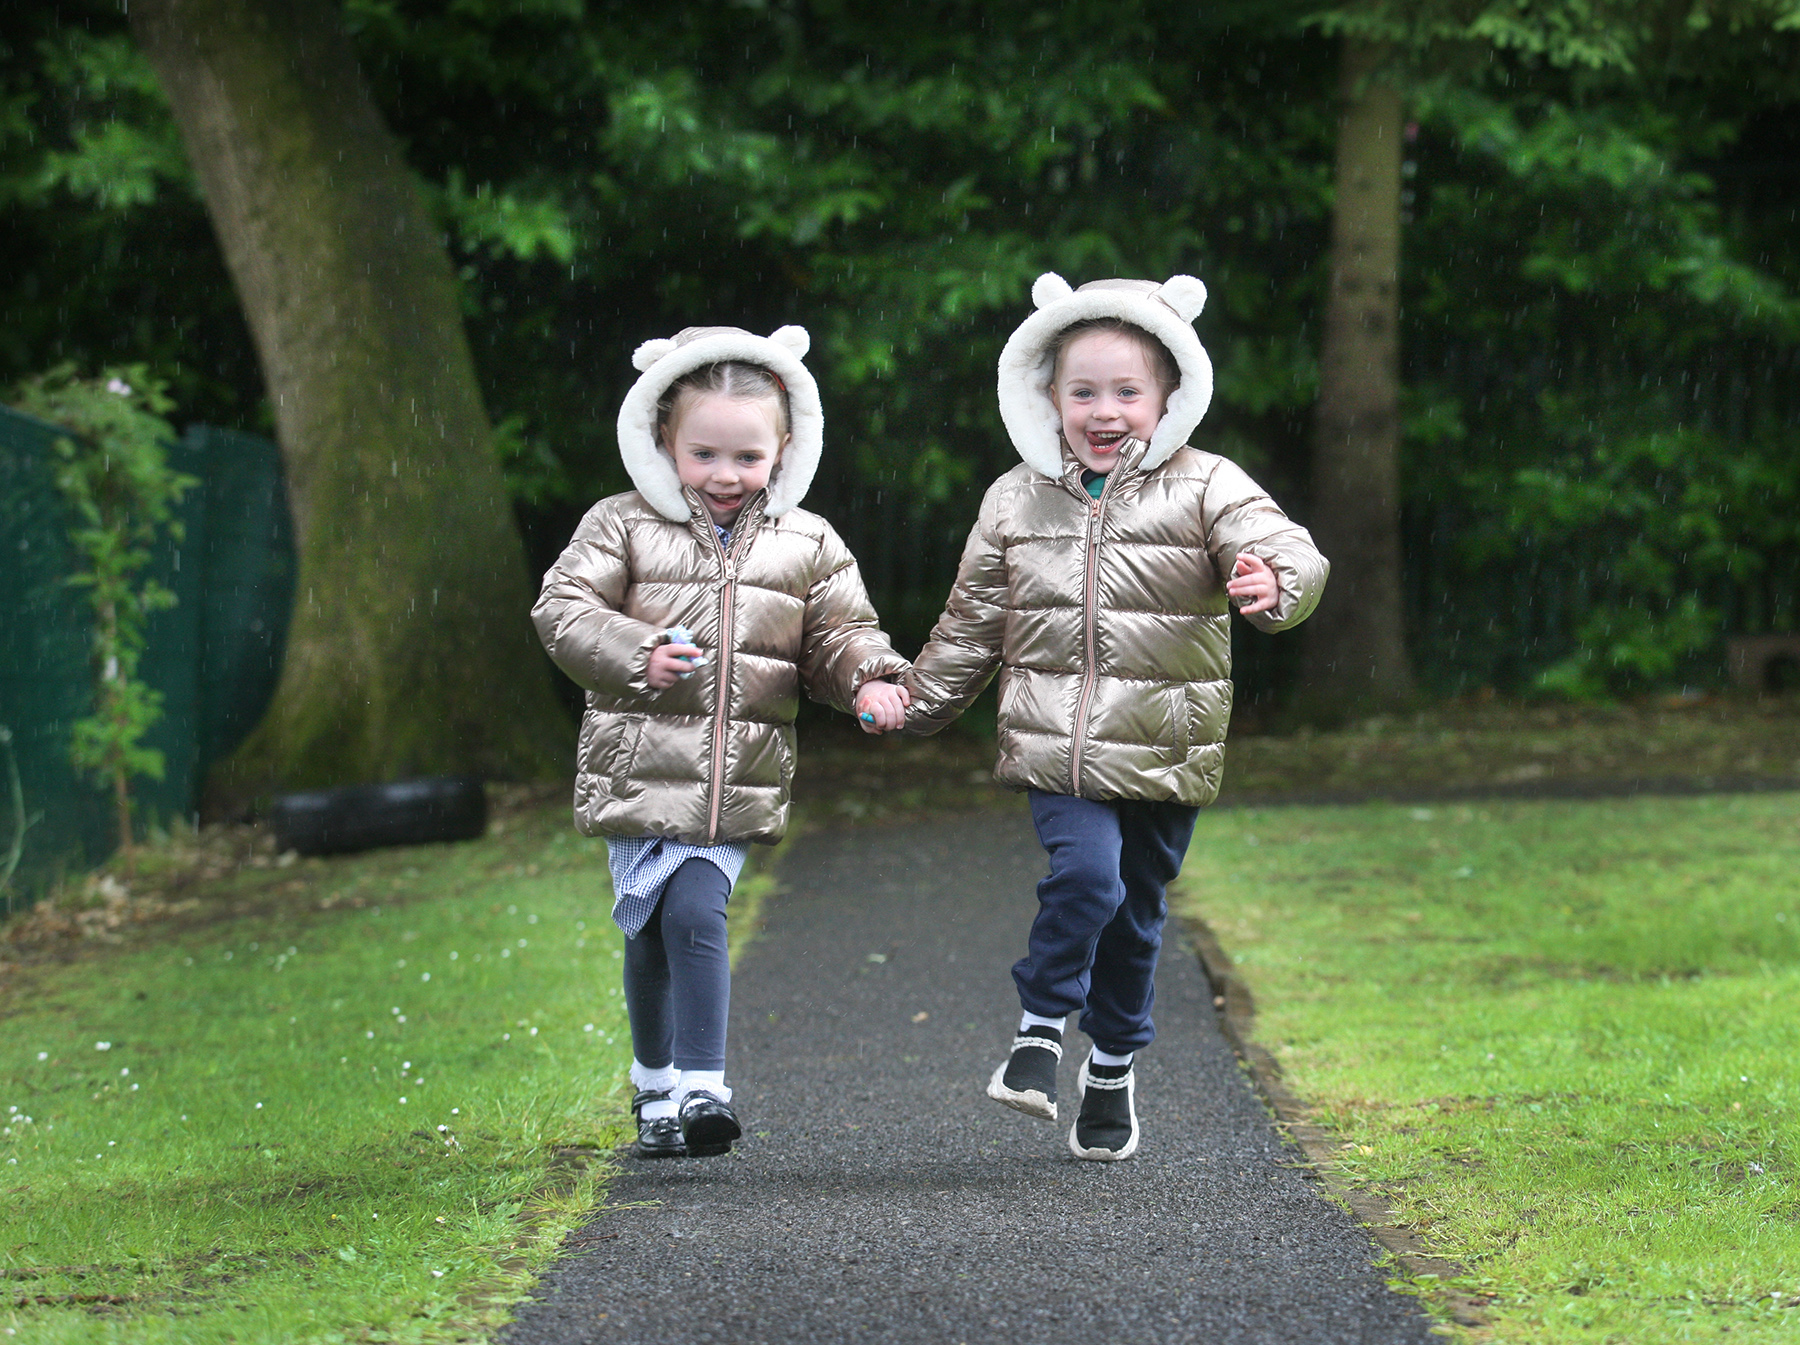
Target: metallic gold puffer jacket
785 608
1108 622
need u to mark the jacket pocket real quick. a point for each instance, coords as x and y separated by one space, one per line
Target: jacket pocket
610 746
1181 725
625 754
784 754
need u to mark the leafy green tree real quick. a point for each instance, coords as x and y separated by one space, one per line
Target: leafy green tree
894 179
408 649
1432 52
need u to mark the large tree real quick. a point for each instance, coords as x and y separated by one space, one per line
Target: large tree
409 649
1355 650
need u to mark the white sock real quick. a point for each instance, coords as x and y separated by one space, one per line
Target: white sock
1038 1020
645 1079
655 1111
697 1080
1107 1058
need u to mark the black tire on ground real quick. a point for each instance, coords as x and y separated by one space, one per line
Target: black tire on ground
367 817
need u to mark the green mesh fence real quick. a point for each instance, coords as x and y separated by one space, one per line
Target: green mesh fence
214 656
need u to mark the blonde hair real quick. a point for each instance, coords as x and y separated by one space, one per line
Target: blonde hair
737 379
1162 361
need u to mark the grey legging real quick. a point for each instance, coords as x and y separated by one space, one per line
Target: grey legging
678 973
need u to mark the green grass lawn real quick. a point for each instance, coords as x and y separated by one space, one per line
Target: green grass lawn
335 1116
1562 1040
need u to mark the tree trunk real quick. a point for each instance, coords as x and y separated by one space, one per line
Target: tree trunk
1355 644
410 649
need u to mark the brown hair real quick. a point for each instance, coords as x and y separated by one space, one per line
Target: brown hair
734 378
1168 373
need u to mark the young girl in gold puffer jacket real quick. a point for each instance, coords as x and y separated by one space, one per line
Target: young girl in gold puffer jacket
692 611
1096 582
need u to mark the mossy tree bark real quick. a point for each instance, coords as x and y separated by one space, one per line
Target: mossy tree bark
1355 653
410 649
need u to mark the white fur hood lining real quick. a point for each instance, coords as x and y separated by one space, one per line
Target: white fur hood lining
1167 311
667 359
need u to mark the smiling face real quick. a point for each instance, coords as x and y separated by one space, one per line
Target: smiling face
725 448
1106 391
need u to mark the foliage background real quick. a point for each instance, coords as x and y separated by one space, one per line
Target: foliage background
1600 265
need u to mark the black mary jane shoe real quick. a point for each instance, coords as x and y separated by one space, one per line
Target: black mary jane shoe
660 1138
708 1125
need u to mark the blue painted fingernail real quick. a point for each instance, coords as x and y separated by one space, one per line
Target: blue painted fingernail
867 718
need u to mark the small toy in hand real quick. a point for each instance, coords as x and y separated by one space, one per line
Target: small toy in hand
679 635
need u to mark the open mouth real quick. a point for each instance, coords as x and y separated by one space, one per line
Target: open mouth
1105 441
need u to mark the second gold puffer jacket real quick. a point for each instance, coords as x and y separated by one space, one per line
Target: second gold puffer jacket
1108 623
783 609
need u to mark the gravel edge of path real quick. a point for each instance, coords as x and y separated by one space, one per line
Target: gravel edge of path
1237 1020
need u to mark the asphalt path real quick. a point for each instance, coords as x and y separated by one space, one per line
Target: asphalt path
878 1196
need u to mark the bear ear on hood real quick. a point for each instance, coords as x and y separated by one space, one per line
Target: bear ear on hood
792 338
1048 289
650 352
1185 294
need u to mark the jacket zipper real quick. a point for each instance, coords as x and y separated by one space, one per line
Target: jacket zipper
722 668
1089 583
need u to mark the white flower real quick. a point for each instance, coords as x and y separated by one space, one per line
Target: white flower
118 387
126 1070
98 1046
425 976
402 1102
437 1274
43 1055
259 1106
588 1028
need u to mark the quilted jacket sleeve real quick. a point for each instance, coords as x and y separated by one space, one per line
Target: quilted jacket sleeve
1239 516
577 613
964 650
842 646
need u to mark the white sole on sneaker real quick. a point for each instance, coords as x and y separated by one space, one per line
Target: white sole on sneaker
1031 1102
1107 1155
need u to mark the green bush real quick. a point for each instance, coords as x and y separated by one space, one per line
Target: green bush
112 468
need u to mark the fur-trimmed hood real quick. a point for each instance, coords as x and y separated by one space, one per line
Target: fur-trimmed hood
666 359
1167 311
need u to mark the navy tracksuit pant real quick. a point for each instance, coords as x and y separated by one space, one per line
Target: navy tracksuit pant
1101 911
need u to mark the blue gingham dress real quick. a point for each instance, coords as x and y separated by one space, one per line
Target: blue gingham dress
642 865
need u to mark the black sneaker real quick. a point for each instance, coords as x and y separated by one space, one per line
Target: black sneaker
1027 1080
708 1125
660 1138
1107 1128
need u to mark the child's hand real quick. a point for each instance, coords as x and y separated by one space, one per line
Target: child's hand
881 706
669 663
1252 587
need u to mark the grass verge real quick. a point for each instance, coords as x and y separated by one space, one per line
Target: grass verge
341 1100
1558 1038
